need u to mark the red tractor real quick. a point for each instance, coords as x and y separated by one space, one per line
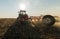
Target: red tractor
46 20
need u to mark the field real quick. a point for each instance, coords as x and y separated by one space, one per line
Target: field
5 23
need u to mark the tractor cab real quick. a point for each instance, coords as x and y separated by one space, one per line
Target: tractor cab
22 15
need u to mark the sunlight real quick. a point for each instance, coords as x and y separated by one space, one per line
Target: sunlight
22 6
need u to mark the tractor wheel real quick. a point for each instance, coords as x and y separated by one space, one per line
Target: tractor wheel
48 20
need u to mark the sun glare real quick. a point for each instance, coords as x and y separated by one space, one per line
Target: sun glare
22 6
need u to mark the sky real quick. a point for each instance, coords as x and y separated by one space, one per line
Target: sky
10 8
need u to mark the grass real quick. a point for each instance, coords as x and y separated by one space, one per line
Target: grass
5 23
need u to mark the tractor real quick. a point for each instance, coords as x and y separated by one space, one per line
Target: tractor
46 20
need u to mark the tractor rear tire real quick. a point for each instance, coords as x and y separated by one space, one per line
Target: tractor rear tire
48 20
